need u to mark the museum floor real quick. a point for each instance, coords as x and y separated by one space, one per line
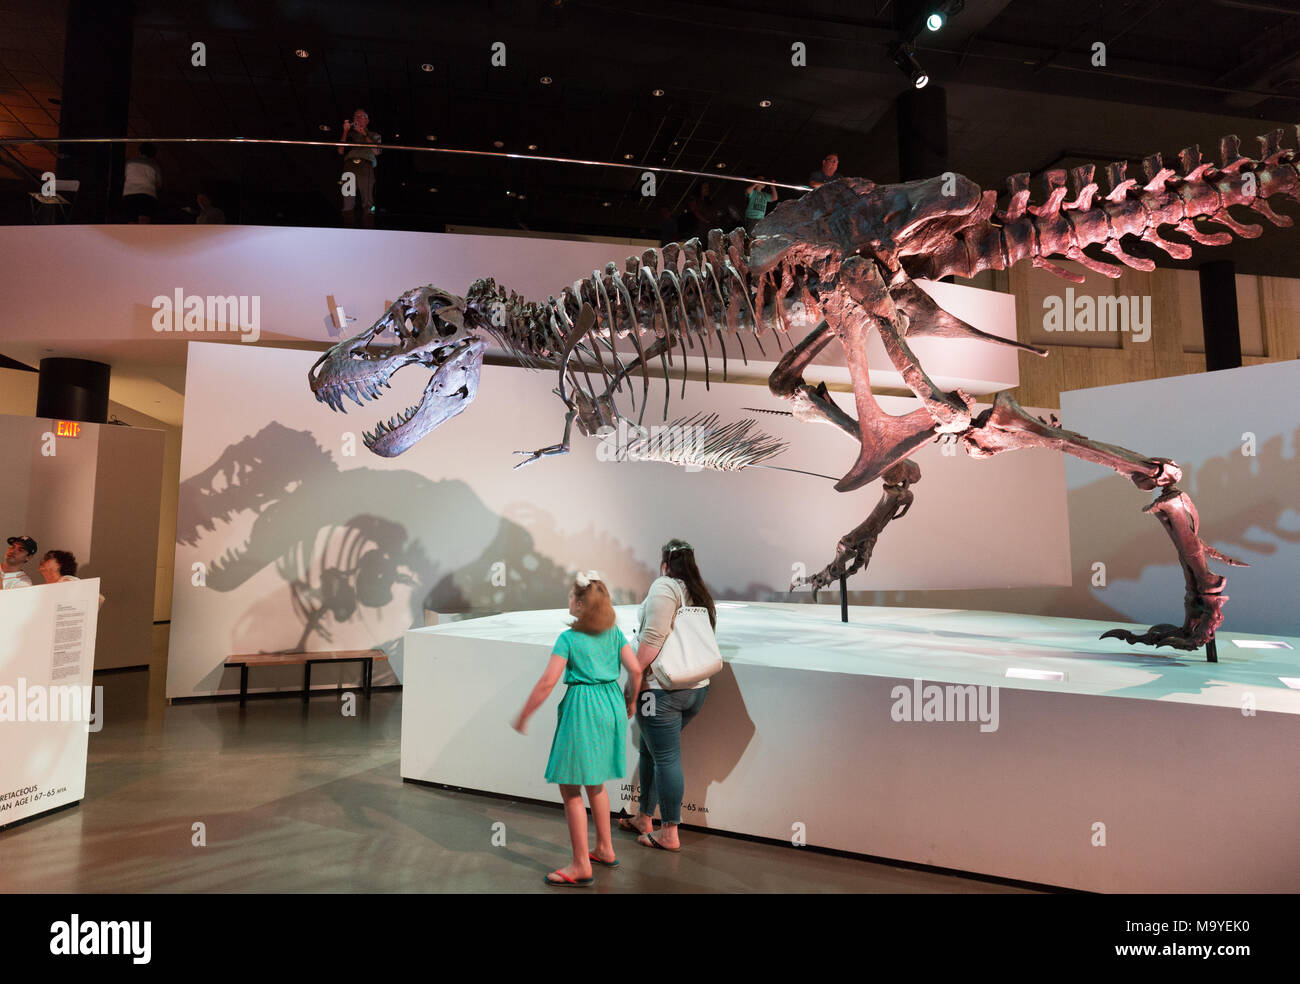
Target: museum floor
298 798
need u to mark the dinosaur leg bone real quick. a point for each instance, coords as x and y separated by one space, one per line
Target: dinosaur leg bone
853 552
860 282
885 439
811 405
1008 427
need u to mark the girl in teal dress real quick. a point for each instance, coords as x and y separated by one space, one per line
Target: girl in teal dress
590 744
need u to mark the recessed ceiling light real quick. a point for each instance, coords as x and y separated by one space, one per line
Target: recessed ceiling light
433 189
606 204
532 146
627 157
430 137
497 144
657 92
325 127
720 166
396 136
426 67
521 197
301 52
765 103
545 80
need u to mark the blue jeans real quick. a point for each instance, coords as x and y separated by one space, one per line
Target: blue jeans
661 749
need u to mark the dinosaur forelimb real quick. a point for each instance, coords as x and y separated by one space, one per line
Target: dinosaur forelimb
1008 427
561 448
853 552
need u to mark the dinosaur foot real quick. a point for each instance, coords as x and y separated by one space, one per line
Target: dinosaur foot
822 579
1163 634
541 453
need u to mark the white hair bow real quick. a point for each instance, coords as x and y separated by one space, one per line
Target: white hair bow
582 580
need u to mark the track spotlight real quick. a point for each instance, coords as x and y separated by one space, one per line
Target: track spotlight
904 56
934 21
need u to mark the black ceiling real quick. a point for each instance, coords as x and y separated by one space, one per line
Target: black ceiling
1022 96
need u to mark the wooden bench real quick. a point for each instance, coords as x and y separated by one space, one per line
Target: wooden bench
366 657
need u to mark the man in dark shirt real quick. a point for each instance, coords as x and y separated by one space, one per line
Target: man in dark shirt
361 163
830 164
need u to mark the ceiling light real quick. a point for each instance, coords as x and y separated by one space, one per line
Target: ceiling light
720 165
657 92
765 103
325 128
904 56
497 144
545 80
426 67
935 21
430 137
532 146
606 204
627 157
301 52
433 189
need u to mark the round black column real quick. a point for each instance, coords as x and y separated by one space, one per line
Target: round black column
73 389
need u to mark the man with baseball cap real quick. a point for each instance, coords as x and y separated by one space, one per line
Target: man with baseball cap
21 549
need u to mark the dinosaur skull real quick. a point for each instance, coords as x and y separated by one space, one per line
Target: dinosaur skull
426 326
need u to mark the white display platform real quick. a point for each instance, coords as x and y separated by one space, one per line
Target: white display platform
47 661
1131 772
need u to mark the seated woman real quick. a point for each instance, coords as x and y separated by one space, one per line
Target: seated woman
663 719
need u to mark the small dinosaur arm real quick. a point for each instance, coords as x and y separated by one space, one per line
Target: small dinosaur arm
840 259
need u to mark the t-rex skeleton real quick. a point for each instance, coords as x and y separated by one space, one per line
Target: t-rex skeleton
841 258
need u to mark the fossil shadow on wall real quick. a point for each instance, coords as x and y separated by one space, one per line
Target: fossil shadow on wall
360 552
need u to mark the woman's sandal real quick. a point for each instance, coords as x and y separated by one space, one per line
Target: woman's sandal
655 843
567 882
603 864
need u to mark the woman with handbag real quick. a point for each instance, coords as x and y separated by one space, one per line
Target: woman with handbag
676 653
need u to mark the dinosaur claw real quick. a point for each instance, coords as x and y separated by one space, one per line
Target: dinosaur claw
1175 636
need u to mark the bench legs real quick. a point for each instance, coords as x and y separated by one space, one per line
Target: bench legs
243 684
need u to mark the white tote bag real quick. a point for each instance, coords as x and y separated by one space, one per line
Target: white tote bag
690 653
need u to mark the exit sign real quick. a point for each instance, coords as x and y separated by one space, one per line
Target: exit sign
68 428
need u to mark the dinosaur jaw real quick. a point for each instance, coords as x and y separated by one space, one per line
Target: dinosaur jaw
451 388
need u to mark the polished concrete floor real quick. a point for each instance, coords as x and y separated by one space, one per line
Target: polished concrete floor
300 798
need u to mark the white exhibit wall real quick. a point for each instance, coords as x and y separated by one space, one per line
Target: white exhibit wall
97 496
1235 434
803 730
277 489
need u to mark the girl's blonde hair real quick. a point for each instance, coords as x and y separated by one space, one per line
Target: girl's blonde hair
596 611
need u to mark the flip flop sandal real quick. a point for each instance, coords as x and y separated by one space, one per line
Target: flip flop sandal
603 864
655 843
567 882
625 823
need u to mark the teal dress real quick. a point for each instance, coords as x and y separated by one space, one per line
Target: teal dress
590 745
